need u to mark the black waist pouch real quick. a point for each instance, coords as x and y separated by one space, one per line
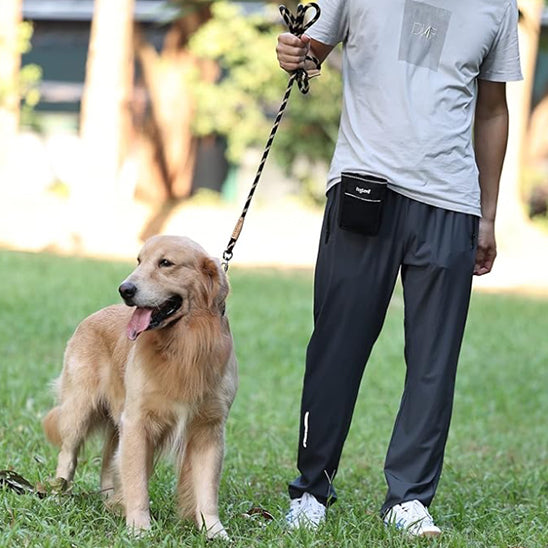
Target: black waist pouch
360 202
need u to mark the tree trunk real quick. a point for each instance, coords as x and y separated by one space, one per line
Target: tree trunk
170 116
10 63
105 113
537 135
167 140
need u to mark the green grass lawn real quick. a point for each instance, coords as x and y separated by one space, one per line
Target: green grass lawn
494 489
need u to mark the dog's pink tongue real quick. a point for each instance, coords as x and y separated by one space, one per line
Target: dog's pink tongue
138 323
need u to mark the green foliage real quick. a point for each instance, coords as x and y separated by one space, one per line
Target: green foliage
29 75
29 78
243 103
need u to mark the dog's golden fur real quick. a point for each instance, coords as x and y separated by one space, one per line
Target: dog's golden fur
171 387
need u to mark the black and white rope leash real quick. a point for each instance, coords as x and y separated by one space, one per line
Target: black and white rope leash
297 26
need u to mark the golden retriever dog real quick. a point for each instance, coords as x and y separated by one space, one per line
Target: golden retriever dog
160 376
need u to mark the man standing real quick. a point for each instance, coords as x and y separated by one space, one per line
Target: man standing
408 192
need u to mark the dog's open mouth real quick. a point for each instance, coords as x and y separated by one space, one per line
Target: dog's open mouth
150 318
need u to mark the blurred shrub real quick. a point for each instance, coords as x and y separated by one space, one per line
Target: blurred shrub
29 75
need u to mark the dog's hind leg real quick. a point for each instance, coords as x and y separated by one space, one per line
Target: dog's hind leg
185 489
108 474
200 476
74 420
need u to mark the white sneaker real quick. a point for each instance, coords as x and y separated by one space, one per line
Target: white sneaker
306 512
413 518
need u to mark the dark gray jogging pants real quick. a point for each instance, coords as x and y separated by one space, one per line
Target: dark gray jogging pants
355 276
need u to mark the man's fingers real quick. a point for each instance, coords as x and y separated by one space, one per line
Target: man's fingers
290 61
487 247
482 270
291 51
485 257
289 39
291 55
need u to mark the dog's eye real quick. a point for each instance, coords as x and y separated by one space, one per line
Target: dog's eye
164 263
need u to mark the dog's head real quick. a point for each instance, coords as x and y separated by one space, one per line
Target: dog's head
173 278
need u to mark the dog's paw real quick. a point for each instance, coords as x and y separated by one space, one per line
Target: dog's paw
57 486
138 534
114 503
217 531
138 523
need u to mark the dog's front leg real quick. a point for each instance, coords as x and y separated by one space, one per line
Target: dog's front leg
201 475
136 455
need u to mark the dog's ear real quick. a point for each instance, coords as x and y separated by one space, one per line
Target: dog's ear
216 284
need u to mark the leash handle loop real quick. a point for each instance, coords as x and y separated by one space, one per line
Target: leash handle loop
298 26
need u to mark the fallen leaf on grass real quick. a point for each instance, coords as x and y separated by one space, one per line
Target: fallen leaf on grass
14 481
260 512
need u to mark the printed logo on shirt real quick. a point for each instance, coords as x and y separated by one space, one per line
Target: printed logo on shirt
423 34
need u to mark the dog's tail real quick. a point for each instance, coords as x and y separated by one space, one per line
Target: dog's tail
51 426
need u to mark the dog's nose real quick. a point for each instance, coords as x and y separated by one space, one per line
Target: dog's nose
127 290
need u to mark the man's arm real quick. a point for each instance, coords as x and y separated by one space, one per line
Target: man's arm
292 51
490 138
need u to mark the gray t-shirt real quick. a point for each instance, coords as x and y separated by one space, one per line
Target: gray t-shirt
409 89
